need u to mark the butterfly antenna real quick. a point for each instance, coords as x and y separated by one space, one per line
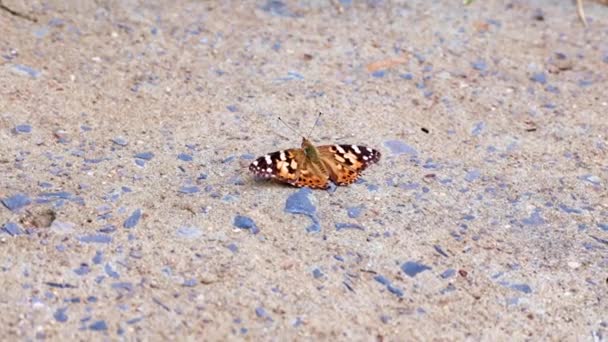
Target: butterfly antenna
289 126
315 125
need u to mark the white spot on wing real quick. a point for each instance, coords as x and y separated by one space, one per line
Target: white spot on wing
267 159
340 149
282 155
356 149
255 163
269 170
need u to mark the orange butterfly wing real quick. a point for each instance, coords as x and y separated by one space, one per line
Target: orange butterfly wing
346 162
292 167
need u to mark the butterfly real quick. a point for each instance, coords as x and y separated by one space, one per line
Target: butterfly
315 166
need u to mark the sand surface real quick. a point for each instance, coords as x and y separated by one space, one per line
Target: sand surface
129 212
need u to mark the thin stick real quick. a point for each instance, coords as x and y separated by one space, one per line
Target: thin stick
315 125
581 11
11 11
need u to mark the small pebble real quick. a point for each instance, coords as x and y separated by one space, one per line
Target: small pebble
132 220
98 258
585 83
412 268
120 141
145 156
478 128
448 273
539 77
261 312
552 89
381 279
300 202
595 180
233 247
23 128
190 282
277 8
379 73
60 315
439 250
534 220
12 229
110 271
472 175
407 76
354 212
189 189
26 70
297 322
184 157
395 290
480 65
99 326
317 273
83 269
245 222
16 202
340 226
525 288
538 15
95 238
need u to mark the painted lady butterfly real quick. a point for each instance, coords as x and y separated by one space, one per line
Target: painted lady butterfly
313 166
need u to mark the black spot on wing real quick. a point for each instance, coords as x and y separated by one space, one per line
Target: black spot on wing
290 169
364 154
265 166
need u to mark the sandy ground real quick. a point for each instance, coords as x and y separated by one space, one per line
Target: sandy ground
129 213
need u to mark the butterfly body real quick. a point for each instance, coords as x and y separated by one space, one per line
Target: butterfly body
315 166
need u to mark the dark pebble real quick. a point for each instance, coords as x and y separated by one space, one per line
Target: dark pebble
382 279
525 288
245 222
132 220
412 268
261 312
379 73
16 202
395 290
145 155
317 273
60 315
95 238
480 65
12 229
99 326
539 77
184 157
23 128
120 141
189 189
340 226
